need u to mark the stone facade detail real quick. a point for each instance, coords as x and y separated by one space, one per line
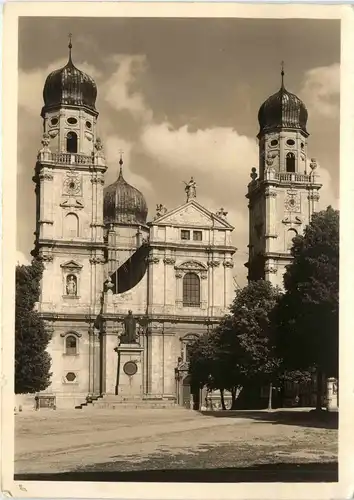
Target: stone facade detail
123 299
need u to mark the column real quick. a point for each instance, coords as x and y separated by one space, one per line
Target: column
169 361
96 363
156 366
103 358
112 331
169 285
46 204
94 181
153 261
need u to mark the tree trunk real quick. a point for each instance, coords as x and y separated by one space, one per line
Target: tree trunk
222 399
270 396
319 390
282 394
233 398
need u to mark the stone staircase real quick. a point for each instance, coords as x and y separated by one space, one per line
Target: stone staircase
120 402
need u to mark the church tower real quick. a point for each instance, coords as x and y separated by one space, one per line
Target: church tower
69 178
284 193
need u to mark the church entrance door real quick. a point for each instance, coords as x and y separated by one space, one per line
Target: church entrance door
186 393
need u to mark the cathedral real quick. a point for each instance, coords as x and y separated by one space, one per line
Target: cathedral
123 295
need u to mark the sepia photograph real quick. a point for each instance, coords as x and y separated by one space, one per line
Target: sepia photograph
177 249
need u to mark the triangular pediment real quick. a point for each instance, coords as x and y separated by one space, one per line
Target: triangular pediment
71 264
191 214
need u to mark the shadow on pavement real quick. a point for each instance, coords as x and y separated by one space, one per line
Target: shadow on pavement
324 420
309 472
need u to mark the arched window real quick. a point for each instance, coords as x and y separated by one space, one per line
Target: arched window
191 290
71 345
290 162
71 142
289 238
71 226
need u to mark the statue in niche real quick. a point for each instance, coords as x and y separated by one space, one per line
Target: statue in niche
71 285
190 189
129 336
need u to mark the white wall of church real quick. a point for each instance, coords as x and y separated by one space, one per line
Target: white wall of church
69 393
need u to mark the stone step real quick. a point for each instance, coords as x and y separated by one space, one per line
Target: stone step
131 405
113 401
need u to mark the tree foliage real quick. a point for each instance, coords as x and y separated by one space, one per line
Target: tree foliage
240 351
32 361
307 314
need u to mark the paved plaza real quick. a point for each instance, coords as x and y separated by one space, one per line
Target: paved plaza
174 444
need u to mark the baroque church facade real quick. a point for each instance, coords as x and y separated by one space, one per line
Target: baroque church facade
124 296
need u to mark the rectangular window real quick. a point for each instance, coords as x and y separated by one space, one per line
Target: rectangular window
197 235
185 235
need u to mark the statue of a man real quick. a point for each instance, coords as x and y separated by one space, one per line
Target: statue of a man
129 336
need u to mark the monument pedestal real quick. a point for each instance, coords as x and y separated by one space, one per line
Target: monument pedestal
129 371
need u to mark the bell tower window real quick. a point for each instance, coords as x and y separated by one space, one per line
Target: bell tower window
71 142
290 162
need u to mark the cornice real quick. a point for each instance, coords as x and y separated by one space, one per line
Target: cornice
185 246
71 244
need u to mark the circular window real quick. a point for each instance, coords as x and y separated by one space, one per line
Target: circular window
54 121
130 368
72 120
72 185
88 124
290 142
274 142
70 377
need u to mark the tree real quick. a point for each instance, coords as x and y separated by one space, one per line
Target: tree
307 314
32 361
248 335
204 364
240 352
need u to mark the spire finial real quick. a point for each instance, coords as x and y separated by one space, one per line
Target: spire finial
121 152
70 45
282 74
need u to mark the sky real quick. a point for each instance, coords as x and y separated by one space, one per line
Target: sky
180 97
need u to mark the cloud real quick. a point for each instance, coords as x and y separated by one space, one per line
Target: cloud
220 159
118 90
113 144
320 91
209 151
22 259
327 195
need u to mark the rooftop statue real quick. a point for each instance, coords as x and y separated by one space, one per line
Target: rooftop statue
190 189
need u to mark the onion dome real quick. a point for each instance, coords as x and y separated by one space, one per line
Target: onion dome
69 86
123 203
282 110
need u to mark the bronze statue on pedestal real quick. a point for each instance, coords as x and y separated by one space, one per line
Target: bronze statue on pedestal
129 335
